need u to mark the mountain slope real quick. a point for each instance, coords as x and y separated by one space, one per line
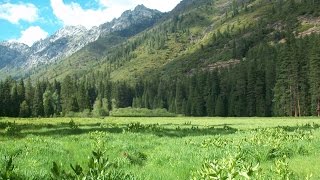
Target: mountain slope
185 39
68 40
206 32
94 54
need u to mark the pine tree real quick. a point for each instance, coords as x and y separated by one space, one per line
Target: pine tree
15 104
29 95
220 109
179 97
6 97
68 90
314 71
37 108
48 105
24 109
1 99
56 100
21 91
83 97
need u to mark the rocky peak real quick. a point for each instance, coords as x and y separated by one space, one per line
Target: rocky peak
141 11
20 47
140 7
139 14
69 31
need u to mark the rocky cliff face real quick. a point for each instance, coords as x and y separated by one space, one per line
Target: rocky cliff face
63 43
140 15
13 54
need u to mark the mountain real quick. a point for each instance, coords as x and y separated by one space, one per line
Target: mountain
148 50
13 54
21 60
139 16
63 43
204 58
197 34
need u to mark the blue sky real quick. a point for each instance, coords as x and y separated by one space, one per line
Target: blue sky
31 20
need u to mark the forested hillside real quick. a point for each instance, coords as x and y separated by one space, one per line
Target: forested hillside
205 58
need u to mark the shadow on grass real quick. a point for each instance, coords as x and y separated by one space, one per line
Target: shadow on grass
181 130
63 130
304 127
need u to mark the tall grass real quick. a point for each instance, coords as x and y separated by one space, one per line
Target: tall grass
168 148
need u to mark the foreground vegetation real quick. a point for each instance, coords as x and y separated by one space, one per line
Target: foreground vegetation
160 148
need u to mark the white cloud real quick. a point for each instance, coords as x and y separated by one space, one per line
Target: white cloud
73 14
31 35
16 12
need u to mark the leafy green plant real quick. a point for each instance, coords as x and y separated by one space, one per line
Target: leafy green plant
133 127
281 169
136 158
98 167
7 170
217 142
12 129
227 168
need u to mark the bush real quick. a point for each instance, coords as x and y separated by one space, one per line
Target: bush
73 125
84 113
3 125
141 112
71 114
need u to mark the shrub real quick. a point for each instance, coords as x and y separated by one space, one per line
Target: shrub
138 127
141 112
73 125
3 125
85 113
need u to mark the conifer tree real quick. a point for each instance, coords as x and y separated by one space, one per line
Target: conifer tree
24 109
315 78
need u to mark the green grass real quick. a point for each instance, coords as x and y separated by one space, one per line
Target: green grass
175 148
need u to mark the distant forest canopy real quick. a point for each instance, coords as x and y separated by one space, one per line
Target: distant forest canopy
272 80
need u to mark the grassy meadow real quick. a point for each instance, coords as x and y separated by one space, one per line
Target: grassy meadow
162 148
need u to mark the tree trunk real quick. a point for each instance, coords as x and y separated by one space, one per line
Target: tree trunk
299 108
318 108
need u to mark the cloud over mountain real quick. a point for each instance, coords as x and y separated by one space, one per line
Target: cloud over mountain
73 14
31 35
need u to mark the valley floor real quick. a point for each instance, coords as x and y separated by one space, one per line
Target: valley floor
165 148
